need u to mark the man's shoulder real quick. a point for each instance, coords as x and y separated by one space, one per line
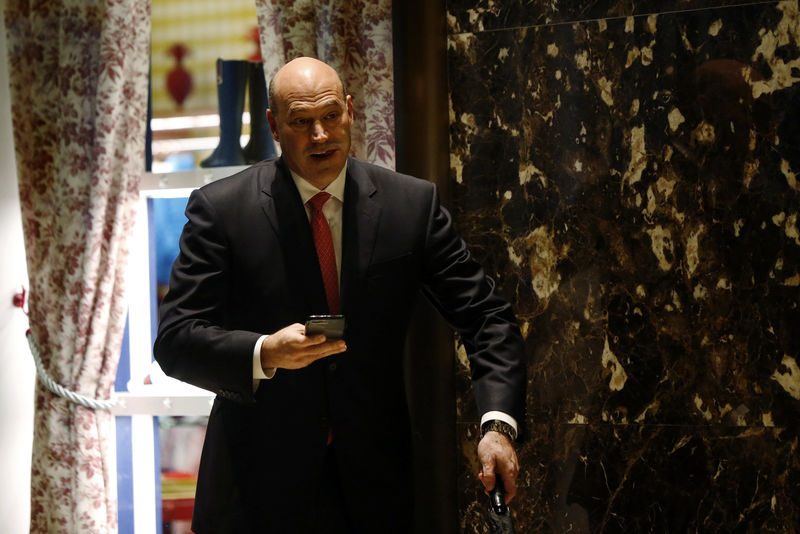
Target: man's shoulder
385 178
253 177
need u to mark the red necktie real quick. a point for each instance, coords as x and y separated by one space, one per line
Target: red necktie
327 257
325 251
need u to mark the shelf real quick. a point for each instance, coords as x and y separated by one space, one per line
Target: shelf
162 403
186 179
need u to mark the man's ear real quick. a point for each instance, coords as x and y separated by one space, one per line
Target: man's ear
350 107
273 125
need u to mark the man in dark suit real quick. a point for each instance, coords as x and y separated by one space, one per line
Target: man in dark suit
308 434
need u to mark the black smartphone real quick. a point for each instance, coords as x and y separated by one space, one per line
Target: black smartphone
331 326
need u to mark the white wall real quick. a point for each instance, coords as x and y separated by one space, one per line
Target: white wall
17 372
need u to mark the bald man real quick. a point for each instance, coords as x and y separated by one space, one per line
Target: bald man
309 434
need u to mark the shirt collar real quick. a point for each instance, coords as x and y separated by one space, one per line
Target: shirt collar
335 188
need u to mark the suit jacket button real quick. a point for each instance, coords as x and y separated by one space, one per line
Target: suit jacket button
332 367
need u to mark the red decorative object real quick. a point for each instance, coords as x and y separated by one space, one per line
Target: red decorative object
252 35
179 80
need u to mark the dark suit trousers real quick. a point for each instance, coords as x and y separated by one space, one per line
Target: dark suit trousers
333 518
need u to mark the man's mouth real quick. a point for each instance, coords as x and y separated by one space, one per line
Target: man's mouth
324 154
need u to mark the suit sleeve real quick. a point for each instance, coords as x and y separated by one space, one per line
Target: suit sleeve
466 297
193 343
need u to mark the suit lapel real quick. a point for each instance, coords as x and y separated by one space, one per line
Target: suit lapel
360 220
287 216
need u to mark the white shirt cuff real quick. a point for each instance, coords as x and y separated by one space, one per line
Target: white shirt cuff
501 416
259 373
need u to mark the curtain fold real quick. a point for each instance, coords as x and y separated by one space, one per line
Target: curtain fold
355 38
78 74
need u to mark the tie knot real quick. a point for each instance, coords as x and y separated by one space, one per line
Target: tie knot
318 200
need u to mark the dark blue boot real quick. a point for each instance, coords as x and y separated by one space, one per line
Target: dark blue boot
232 78
260 146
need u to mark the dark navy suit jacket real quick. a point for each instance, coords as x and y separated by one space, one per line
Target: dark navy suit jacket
247 266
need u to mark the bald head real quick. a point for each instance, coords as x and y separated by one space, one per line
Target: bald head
302 73
310 117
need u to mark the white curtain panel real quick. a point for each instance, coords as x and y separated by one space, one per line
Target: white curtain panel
78 74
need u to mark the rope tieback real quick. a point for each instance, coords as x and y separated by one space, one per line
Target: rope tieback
60 390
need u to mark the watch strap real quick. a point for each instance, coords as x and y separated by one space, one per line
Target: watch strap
497 425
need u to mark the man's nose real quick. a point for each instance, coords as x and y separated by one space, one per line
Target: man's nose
318 132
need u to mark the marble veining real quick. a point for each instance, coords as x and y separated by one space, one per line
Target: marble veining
488 15
630 180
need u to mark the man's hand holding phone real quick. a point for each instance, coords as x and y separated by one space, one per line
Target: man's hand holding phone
330 326
294 347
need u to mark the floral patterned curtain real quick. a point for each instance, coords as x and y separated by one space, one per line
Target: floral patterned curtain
355 38
78 76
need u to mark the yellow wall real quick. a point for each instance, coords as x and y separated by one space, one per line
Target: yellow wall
209 29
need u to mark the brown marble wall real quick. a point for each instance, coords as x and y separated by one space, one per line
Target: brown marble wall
628 171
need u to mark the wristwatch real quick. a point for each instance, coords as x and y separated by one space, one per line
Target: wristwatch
499 426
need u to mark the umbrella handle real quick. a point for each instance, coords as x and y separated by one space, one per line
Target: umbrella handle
497 497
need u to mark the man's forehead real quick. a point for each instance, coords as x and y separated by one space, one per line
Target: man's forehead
296 105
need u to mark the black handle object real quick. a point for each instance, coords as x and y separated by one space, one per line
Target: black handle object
499 514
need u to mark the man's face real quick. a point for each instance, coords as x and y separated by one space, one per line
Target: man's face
312 124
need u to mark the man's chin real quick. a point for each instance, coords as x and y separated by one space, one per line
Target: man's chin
323 170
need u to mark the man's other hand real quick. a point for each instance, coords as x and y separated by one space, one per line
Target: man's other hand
497 455
289 348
